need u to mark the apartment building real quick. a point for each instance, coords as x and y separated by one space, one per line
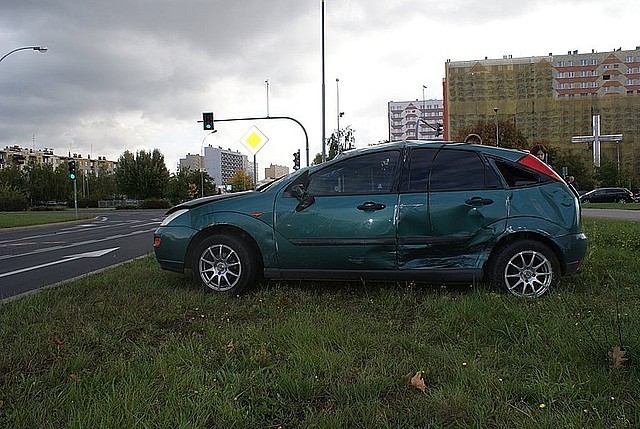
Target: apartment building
20 157
222 164
414 120
275 171
551 99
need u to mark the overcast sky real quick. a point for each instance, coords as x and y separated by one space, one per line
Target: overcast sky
138 74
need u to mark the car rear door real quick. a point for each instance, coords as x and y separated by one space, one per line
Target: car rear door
451 209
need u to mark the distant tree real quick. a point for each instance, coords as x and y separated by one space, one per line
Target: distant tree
240 181
143 176
188 184
102 185
508 135
608 175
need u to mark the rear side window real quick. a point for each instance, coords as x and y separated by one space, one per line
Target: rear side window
458 170
516 176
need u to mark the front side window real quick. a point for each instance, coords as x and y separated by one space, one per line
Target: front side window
366 174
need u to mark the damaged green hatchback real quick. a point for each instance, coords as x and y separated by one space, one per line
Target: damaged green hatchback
431 212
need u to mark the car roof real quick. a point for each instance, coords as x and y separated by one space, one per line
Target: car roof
512 154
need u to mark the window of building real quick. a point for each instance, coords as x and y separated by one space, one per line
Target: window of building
560 86
560 75
629 70
629 58
560 64
594 61
570 63
583 62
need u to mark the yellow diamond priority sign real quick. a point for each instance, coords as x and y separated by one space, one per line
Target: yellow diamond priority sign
254 139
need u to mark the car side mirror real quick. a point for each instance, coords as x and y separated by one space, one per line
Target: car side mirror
305 198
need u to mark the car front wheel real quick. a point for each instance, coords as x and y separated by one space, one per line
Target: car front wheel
225 264
524 268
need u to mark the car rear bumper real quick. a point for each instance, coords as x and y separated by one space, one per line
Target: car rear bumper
575 249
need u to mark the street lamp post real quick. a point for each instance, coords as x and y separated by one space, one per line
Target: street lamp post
267 83
495 110
338 113
42 49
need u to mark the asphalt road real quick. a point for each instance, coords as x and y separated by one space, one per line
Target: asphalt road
612 214
32 258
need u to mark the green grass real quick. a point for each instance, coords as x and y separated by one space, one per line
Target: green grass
138 347
17 219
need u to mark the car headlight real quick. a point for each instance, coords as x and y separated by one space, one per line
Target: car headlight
173 216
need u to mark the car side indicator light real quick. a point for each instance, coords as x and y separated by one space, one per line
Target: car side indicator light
256 214
156 241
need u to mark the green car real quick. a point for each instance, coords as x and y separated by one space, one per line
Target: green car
431 212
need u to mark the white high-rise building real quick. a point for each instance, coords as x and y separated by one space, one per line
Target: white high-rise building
222 164
414 120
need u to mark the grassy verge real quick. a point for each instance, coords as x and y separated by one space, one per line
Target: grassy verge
17 219
137 347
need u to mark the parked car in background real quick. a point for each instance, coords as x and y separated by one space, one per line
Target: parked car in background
608 195
426 211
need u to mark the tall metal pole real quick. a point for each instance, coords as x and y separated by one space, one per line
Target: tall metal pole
495 109
324 135
338 109
267 83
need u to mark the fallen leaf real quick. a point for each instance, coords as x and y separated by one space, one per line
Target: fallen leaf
618 357
1 403
418 382
230 347
56 340
74 378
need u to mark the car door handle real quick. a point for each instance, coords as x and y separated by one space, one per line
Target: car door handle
370 206
478 201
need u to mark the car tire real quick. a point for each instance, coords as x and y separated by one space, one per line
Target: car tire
622 201
224 264
586 201
524 268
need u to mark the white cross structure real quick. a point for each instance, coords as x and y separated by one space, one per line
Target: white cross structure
596 138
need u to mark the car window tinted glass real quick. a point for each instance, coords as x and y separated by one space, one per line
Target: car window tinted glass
516 176
457 170
367 174
420 165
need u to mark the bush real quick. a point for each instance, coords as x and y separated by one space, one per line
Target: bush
155 203
11 200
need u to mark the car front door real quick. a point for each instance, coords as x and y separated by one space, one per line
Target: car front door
350 224
451 208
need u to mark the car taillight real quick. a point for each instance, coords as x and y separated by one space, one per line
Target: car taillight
156 241
541 167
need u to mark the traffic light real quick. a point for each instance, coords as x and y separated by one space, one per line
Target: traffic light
296 160
207 121
438 130
72 169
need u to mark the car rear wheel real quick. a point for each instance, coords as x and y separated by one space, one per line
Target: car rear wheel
524 268
622 201
223 263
